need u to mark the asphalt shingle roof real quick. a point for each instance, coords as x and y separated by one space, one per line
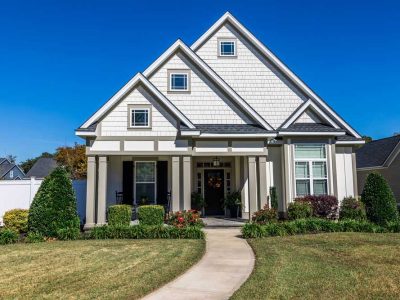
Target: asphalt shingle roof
228 128
375 153
43 167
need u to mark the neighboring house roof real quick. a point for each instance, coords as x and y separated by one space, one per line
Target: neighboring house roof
42 167
7 167
4 160
378 153
227 17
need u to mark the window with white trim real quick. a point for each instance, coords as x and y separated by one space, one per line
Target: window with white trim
310 169
12 174
145 182
140 117
227 47
179 81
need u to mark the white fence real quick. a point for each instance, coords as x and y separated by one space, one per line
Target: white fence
20 193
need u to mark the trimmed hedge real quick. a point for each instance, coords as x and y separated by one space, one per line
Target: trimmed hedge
54 205
145 232
379 201
303 226
119 215
151 215
8 236
16 219
299 210
34 237
265 215
324 206
353 209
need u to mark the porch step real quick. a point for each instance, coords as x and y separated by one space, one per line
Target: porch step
218 222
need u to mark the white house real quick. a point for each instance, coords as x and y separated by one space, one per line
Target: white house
222 115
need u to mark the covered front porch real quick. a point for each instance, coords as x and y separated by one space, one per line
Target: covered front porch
170 180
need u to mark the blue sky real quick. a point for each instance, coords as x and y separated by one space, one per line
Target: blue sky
61 60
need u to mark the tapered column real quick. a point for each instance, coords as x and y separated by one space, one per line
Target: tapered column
187 182
90 191
252 185
102 191
262 180
175 184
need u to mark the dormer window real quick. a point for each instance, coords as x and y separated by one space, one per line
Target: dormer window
227 47
178 80
139 116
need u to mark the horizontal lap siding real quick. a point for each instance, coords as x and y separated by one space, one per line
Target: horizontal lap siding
116 122
252 79
202 105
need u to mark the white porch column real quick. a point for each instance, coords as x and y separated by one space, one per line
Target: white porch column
245 189
187 182
102 191
175 184
90 191
262 180
252 186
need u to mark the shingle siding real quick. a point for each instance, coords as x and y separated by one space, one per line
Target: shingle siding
203 104
116 122
252 78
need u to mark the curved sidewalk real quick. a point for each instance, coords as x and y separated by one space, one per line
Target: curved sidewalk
225 266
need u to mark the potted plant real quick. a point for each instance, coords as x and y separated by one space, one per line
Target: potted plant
198 202
233 202
144 200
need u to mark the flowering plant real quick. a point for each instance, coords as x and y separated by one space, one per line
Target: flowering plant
185 218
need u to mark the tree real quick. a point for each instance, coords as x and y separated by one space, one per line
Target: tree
54 206
379 201
27 164
73 159
367 138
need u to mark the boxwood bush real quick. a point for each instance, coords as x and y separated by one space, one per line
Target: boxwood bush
299 210
8 236
314 225
352 208
119 215
151 215
379 201
17 220
145 232
54 205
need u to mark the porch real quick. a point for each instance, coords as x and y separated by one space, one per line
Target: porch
171 180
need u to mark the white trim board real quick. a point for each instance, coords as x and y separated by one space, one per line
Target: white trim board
126 89
179 45
227 17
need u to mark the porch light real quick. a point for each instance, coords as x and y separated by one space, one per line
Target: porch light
216 162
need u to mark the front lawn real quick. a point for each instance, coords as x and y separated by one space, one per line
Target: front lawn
325 266
93 269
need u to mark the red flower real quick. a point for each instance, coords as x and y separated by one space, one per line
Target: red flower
181 220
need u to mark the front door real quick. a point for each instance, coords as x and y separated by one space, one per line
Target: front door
214 191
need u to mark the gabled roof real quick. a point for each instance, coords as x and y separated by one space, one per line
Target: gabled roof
378 153
5 168
138 78
179 45
42 167
4 160
227 17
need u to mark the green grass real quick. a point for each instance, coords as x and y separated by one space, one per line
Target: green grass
103 269
325 266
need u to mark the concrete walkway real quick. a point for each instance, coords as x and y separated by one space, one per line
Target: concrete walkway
225 266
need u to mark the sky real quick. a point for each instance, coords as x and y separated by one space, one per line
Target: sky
61 60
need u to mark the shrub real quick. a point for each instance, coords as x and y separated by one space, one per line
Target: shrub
274 197
151 215
54 205
145 232
351 208
379 201
265 215
8 236
119 215
299 210
233 201
182 219
197 201
323 206
314 225
34 237
69 233
17 220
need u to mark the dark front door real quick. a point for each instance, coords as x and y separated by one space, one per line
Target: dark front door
214 192
162 182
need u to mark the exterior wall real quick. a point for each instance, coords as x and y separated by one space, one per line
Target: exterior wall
308 117
253 78
345 173
391 174
115 123
204 104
